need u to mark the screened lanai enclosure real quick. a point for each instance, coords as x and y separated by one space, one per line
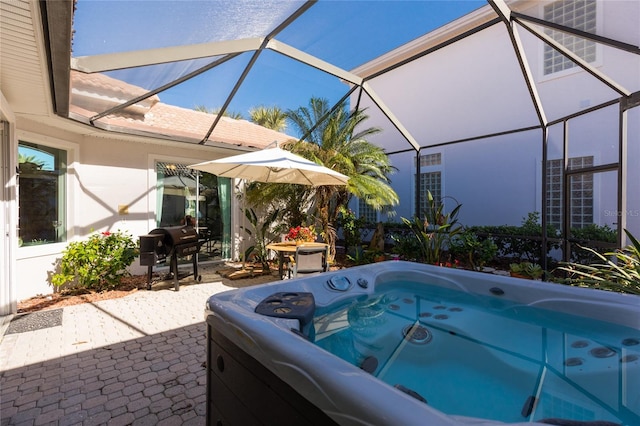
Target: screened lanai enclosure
514 109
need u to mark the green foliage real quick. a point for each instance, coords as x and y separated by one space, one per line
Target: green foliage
522 242
351 227
216 111
263 234
527 269
294 201
591 235
98 263
272 118
435 231
24 159
473 250
358 256
531 248
406 245
614 271
593 232
337 139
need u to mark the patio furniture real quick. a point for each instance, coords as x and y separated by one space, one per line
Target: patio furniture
308 260
288 248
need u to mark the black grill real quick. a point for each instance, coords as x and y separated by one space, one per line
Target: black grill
170 242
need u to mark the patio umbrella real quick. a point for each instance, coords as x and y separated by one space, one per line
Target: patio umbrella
273 165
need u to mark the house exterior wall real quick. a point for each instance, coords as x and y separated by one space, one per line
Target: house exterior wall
103 174
474 87
8 214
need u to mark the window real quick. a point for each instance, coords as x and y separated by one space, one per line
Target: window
42 194
432 182
577 14
368 212
581 193
430 160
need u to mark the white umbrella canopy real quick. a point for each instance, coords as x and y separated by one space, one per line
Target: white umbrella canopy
273 165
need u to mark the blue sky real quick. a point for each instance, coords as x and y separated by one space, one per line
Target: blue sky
346 33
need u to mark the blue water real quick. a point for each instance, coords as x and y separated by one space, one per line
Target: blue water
484 357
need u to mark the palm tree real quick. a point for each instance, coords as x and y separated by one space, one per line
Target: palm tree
340 143
216 111
270 117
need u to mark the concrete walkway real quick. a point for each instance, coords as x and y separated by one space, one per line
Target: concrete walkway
137 360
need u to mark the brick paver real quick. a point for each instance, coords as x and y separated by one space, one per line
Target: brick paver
137 360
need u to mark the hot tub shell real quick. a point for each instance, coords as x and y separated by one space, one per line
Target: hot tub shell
262 372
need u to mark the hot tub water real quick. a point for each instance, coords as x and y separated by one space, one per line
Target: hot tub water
413 344
473 356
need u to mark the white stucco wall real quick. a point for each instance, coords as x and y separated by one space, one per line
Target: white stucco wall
104 174
474 87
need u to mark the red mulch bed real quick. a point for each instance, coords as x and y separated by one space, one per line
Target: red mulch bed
67 298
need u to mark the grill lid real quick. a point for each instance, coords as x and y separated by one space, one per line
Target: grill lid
176 236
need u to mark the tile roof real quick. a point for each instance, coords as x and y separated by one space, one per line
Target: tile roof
94 93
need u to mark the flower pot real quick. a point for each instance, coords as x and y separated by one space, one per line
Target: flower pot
518 275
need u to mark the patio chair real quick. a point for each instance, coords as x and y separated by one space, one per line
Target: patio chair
308 260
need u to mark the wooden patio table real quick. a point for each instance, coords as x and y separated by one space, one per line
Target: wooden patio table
288 247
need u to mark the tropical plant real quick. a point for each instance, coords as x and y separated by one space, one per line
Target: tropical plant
473 250
294 201
99 263
615 271
526 270
435 231
216 111
272 118
30 159
336 139
263 233
405 245
351 228
358 256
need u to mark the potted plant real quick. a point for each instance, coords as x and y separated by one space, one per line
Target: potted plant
528 270
302 234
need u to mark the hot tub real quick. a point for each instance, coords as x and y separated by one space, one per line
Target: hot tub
401 343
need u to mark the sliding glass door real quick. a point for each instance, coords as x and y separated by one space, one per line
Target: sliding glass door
206 198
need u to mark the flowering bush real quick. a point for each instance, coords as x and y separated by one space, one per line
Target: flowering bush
302 233
98 263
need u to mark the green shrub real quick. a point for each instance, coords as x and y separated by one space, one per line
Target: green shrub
473 250
522 242
593 236
351 228
615 271
405 244
98 263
